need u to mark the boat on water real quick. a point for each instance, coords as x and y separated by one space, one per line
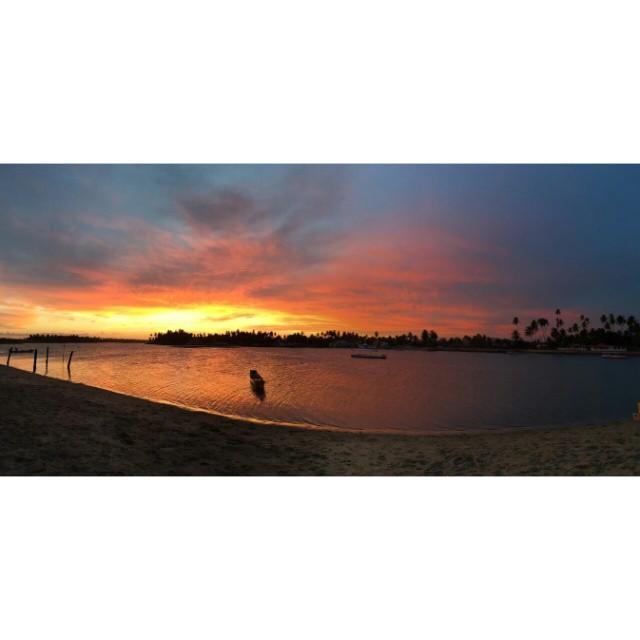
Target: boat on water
256 379
370 356
614 356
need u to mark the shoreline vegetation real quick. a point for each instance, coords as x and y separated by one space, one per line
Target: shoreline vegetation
52 338
55 427
616 333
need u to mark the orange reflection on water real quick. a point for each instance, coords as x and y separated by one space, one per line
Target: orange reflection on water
411 390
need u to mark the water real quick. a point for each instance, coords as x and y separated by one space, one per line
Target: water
409 391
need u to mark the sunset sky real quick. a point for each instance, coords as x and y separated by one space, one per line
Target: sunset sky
125 250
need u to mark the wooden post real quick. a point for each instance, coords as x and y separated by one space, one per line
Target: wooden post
9 356
46 361
35 359
69 361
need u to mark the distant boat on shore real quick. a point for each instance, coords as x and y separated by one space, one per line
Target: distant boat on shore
370 356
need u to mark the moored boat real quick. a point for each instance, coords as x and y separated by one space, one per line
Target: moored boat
256 379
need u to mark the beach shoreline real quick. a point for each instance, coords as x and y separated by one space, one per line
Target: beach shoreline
55 427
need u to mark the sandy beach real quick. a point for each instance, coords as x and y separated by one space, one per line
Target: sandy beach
52 427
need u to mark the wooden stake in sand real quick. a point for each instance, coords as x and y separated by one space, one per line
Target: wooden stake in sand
9 355
46 360
69 361
35 359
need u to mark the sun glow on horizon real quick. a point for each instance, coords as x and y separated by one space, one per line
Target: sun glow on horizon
140 322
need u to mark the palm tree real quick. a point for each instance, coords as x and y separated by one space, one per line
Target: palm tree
634 327
543 323
603 319
532 329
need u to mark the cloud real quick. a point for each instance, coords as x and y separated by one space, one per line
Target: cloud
216 248
230 316
14 315
222 210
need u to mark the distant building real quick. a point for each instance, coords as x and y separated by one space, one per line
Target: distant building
340 343
607 348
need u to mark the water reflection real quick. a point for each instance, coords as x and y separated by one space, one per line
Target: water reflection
410 390
258 391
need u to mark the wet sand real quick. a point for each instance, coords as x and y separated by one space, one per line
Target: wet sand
52 427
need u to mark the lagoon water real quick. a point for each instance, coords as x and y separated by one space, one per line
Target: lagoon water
409 391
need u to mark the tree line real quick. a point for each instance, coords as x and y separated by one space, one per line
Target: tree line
613 330
63 338
346 339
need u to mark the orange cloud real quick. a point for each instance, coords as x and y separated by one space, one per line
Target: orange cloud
386 278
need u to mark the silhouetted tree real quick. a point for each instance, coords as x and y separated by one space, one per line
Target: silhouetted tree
543 323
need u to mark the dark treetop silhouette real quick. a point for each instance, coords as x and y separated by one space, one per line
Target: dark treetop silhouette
618 331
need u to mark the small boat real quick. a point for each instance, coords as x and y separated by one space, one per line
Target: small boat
370 356
256 379
614 356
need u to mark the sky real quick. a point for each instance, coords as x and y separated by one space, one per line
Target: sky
127 250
